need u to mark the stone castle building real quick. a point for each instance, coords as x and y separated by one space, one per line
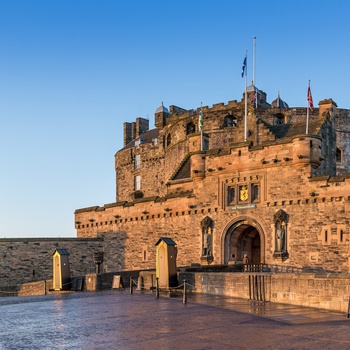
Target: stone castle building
259 186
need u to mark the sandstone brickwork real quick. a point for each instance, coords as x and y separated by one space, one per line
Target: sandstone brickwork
322 291
280 196
30 259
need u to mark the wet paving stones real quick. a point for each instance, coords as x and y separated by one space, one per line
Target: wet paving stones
118 320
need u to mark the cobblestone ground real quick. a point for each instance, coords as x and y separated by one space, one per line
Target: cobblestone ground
118 320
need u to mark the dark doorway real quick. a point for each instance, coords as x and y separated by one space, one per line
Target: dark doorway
242 238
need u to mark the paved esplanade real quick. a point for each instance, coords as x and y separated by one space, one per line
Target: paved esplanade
118 320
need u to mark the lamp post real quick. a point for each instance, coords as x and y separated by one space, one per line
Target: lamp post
98 260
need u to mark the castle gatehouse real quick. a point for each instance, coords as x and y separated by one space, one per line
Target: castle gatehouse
266 182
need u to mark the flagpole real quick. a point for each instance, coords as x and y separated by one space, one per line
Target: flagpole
246 101
201 128
254 57
254 68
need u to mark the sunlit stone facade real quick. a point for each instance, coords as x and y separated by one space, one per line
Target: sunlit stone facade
263 188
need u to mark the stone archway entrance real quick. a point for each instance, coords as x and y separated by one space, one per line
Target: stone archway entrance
244 237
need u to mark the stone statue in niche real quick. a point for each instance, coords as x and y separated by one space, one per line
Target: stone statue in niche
280 219
280 236
207 236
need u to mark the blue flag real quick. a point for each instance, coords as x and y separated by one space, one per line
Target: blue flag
244 67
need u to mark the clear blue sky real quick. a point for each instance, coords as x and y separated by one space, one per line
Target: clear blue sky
73 71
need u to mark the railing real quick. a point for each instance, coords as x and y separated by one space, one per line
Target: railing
255 268
272 268
184 286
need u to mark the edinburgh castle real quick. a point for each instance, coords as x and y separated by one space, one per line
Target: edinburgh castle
260 179
281 196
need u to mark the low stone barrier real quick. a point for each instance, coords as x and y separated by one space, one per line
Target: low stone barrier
324 291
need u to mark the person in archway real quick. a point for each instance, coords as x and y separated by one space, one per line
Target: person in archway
245 262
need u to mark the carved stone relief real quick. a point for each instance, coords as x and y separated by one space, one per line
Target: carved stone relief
280 220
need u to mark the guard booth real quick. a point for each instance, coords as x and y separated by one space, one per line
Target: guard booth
61 272
166 271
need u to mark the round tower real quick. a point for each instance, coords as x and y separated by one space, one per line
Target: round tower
198 144
160 116
307 150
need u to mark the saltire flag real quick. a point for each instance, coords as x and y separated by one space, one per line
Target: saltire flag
244 67
309 98
200 120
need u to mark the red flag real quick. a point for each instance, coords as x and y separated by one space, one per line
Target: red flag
309 98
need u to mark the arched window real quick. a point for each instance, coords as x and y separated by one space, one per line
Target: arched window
230 121
168 140
278 119
190 128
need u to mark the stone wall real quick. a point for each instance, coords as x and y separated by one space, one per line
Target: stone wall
323 291
314 290
343 139
318 233
30 260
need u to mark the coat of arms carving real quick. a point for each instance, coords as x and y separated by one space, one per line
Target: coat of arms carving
243 194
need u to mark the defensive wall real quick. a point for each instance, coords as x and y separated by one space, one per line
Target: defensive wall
324 291
319 240
319 290
30 259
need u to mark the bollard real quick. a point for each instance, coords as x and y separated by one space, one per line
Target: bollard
184 296
157 287
131 286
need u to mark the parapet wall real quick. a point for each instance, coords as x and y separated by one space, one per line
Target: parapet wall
323 291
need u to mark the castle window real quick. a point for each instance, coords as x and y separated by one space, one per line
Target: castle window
190 128
230 121
137 182
137 161
155 141
278 119
231 194
144 254
255 193
339 156
168 140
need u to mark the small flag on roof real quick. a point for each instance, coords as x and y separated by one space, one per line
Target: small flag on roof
309 98
244 67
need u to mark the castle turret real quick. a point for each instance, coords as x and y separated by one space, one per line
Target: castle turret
327 105
279 103
198 144
160 116
307 150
